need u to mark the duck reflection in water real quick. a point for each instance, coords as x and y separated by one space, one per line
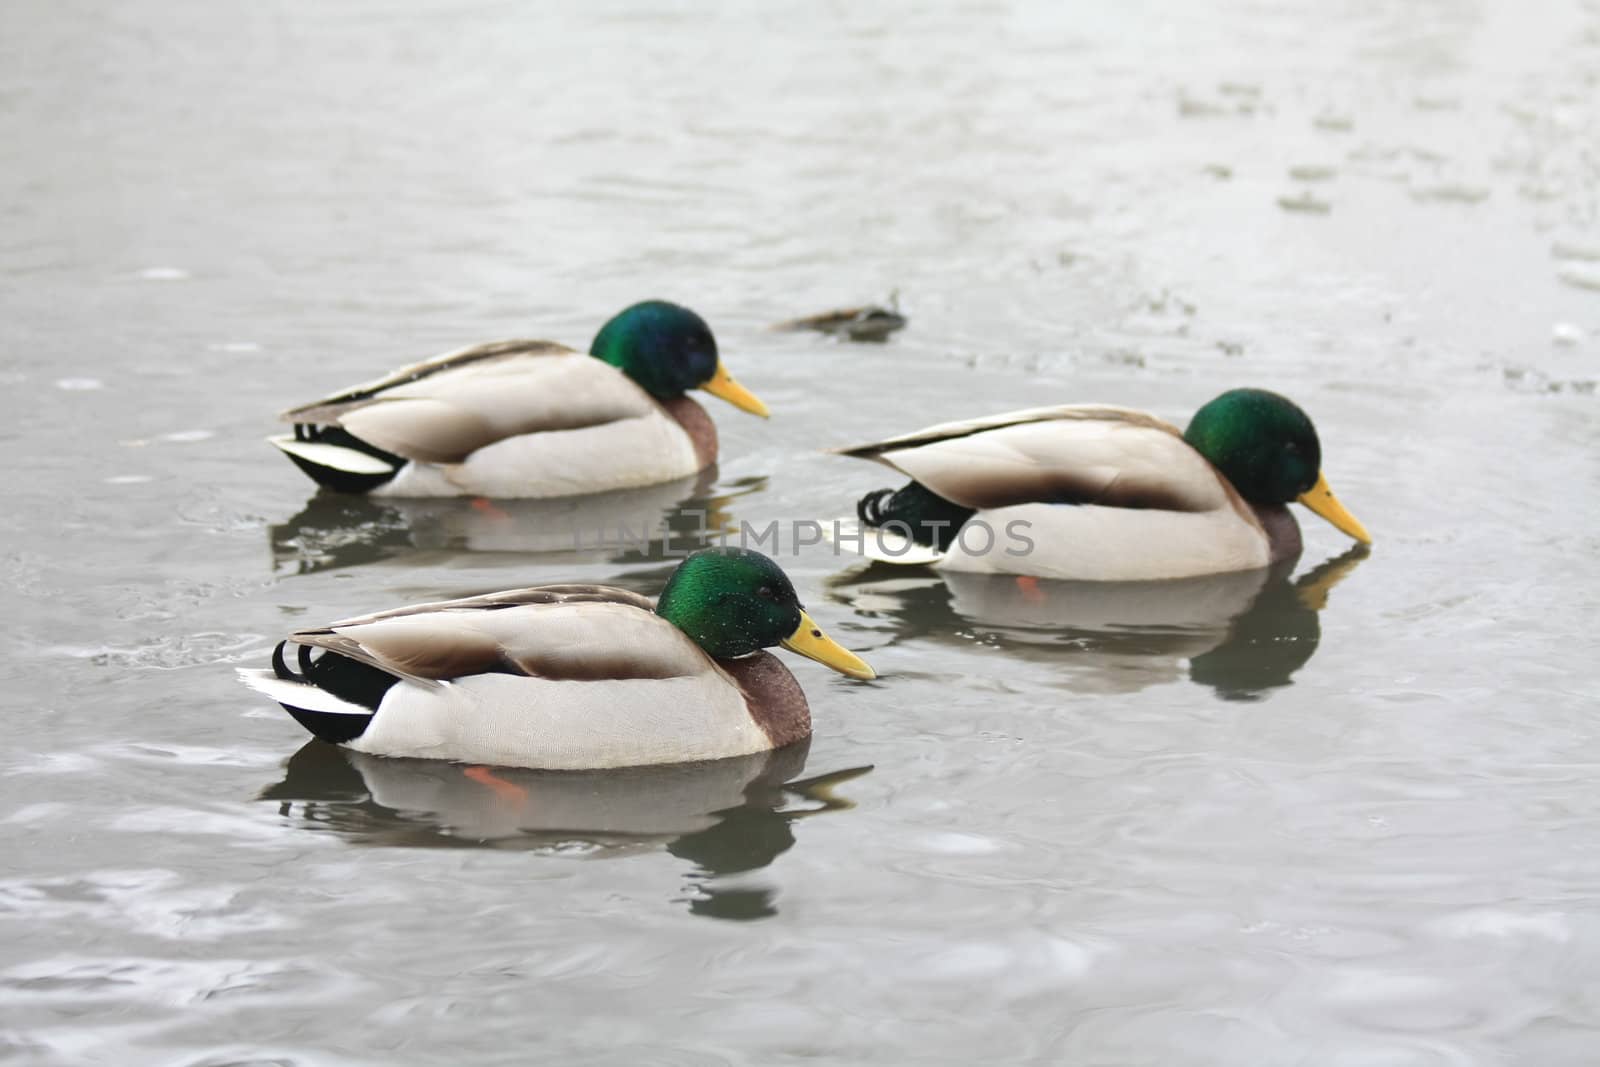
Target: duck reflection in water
336 530
726 817
1242 634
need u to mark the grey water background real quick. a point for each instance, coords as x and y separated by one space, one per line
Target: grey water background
1341 816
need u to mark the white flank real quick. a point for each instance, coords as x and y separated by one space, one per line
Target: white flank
1091 543
626 454
419 480
565 725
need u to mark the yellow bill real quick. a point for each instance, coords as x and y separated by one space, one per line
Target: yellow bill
724 387
809 640
1320 499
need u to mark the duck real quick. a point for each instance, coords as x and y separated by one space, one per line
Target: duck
1094 492
566 677
527 419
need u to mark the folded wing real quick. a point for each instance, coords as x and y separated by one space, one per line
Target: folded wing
558 633
1080 454
444 409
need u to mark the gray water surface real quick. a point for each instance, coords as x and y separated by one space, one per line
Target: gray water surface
1340 815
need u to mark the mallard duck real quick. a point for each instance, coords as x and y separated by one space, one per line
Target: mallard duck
1103 493
527 418
566 677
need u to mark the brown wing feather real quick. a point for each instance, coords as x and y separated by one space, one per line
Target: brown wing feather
1107 488
567 593
429 654
522 631
1111 457
329 408
947 431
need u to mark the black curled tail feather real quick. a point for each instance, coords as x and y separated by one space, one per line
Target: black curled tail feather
927 517
350 680
279 668
869 509
287 673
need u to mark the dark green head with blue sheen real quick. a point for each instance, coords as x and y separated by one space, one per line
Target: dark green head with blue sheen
666 348
731 601
1261 442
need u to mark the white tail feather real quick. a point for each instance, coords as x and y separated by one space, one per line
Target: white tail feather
885 546
298 694
336 457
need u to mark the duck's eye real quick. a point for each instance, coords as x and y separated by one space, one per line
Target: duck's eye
765 592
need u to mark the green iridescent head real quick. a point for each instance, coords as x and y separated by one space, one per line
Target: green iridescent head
1261 442
732 602
1266 446
668 350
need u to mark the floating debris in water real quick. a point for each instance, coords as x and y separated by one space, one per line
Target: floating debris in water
176 437
1237 99
1582 275
129 479
1541 191
1334 123
1305 204
1451 192
79 385
1530 380
1192 108
1568 250
869 323
1313 172
1566 334
1436 103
